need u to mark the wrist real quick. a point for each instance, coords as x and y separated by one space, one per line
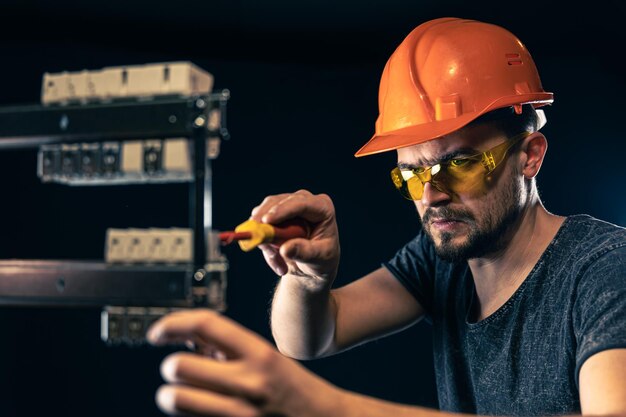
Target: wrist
321 399
300 281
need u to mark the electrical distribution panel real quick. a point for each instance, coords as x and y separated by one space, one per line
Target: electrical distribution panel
142 124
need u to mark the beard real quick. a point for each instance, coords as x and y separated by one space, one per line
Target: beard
489 231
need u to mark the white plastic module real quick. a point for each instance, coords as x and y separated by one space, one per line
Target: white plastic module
176 156
136 81
105 85
179 245
138 248
78 86
154 245
132 158
117 243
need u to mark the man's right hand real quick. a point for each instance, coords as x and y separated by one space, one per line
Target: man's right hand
313 260
309 320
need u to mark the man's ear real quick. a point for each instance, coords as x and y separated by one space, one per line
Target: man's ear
534 147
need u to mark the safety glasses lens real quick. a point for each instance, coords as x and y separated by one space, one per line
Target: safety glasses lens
457 175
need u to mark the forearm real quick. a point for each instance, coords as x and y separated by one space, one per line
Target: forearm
357 405
342 403
303 317
351 404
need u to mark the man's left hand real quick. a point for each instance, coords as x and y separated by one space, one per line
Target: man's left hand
234 373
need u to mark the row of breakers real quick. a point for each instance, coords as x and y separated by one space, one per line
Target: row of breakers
107 163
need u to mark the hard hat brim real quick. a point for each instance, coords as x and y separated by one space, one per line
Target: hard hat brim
415 135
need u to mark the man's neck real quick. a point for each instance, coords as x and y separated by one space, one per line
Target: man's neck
498 275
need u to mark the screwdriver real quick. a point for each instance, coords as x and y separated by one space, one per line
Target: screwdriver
251 233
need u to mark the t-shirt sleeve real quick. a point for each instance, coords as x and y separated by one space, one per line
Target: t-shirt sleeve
414 266
600 307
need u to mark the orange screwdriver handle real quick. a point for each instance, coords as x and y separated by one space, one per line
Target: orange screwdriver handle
266 233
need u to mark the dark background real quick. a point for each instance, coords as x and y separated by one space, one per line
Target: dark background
303 78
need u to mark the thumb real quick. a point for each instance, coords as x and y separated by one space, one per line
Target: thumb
302 250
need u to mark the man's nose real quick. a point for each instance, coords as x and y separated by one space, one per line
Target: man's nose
433 196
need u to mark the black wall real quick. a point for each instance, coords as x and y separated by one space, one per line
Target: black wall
304 83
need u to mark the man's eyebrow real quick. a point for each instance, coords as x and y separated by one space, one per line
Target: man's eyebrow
461 152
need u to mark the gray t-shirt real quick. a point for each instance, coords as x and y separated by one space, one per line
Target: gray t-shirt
524 359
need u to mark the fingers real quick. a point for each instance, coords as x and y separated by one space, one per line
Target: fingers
206 327
187 401
229 378
298 250
208 350
201 385
304 250
257 382
303 204
318 255
273 259
267 204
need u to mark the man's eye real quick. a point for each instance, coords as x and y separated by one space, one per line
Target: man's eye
459 162
418 170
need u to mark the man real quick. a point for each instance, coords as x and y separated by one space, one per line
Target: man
528 308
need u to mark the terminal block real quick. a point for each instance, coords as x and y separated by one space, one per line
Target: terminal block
167 246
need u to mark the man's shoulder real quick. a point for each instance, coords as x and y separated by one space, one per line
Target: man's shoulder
584 239
593 234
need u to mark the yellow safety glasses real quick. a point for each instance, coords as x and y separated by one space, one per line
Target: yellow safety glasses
457 175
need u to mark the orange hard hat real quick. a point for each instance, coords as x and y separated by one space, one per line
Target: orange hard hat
446 73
